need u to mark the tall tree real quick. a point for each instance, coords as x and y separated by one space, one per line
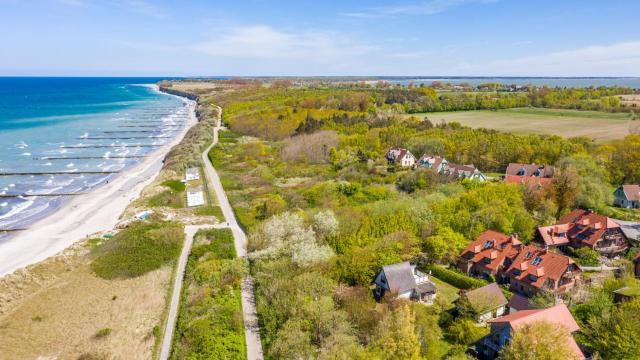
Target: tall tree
539 341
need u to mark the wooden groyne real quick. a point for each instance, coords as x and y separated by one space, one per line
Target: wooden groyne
108 146
88 157
56 173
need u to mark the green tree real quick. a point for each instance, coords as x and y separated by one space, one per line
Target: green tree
395 336
615 334
539 341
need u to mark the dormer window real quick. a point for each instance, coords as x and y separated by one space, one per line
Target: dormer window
536 173
522 172
536 261
527 256
487 244
533 277
487 260
516 272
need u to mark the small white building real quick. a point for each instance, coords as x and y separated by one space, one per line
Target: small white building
192 174
195 198
407 281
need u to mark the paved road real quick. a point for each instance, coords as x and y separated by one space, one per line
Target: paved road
250 318
190 231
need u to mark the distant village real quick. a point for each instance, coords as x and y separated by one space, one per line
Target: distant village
507 264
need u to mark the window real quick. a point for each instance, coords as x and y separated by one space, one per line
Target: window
537 173
503 245
487 260
487 244
527 256
536 261
533 277
516 272
522 172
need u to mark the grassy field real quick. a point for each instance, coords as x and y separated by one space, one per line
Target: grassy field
446 292
600 126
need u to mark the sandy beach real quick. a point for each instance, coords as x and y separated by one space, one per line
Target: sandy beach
83 215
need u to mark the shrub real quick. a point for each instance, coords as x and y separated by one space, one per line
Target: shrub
168 198
221 244
138 249
175 185
587 257
102 333
455 278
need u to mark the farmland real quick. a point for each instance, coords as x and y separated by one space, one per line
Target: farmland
600 126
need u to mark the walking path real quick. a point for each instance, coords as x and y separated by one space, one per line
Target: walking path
249 315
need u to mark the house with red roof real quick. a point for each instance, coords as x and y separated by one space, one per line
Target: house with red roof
536 269
627 196
585 228
489 255
529 173
401 157
502 328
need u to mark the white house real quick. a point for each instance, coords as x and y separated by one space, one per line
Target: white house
405 280
192 174
627 196
195 198
402 157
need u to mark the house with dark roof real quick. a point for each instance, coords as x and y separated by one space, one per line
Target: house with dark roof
489 255
502 329
529 173
486 303
441 166
407 282
536 269
400 157
518 303
627 196
585 228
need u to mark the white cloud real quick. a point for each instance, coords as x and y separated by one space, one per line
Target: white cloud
424 8
264 42
619 59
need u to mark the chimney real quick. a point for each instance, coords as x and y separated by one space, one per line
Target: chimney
585 222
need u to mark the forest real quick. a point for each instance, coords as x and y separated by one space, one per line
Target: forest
304 169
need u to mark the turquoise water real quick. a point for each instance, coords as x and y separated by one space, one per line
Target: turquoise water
75 125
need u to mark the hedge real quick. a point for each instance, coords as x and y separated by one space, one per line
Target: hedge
455 278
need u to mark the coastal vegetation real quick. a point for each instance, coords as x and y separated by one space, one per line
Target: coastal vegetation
304 169
210 320
138 249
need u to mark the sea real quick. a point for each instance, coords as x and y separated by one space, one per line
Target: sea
66 136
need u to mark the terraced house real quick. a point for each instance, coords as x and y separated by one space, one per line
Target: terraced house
526 173
585 228
444 167
527 269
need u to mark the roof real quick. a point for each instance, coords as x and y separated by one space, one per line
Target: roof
631 229
493 245
558 314
519 302
433 162
554 235
515 179
426 287
399 276
487 297
192 171
516 169
587 226
632 192
397 154
541 264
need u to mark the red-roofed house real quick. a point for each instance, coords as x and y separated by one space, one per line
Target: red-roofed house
402 157
585 228
536 269
490 254
526 173
503 327
627 196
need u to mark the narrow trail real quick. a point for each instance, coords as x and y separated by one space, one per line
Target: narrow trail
249 315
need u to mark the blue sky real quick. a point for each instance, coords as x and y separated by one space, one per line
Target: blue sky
348 37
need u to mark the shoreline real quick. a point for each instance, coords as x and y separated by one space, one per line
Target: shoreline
98 210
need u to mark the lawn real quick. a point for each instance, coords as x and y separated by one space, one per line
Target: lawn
601 126
445 291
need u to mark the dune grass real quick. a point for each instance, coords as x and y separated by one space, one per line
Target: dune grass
138 249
